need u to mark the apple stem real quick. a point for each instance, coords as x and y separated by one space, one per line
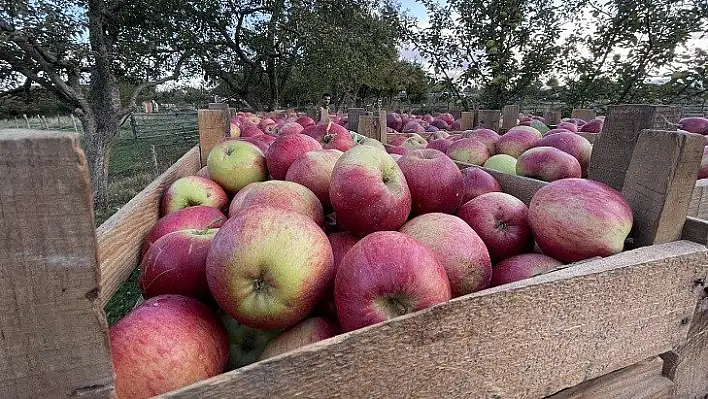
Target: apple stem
398 305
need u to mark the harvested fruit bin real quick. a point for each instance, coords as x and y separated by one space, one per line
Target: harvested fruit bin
632 325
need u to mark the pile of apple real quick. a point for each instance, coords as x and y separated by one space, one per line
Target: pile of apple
289 240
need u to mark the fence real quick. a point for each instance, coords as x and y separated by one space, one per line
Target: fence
153 125
39 122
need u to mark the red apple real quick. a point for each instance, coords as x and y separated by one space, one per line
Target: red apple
341 244
501 220
192 191
470 151
555 131
447 117
457 246
369 192
397 141
574 144
440 124
250 130
314 171
246 344
396 150
290 128
439 144
305 121
195 217
176 264
594 126
414 143
280 194
413 127
234 164
703 171
307 332
515 142
435 182
694 124
331 136
385 275
394 121
547 164
521 267
285 150
477 182
576 219
168 342
569 126
372 143
487 137
269 267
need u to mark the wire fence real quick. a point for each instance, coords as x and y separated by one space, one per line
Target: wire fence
43 122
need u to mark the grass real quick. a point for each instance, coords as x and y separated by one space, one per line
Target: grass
131 167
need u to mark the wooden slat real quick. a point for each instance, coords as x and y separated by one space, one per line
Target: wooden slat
520 187
695 230
353 118
211 130
613 148
53 334
584 114
638 381
489 119
373 127
531 338
659 183
699 200
552 117
510 117
466 121
591 137
120 238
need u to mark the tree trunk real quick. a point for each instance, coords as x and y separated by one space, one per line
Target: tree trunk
97 139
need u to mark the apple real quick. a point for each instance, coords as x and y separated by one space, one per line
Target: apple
235 128
250 131
196 217
528 129
394 121
234 164
440 124
305 121
456 125
203 172
594 126
280 194
269 267
502 163
487 137
703 171
569 126
396 157
262 145
574 144
175 264
307 332
314 171
285 150
521 267
477 182
372 143
246 344
331 136
413 127
439 144
470 151
434 181
432 129
457 246
369 192
576 219
547 164
341 243
385 275
391 149
447 117
501 220
290 128
515 142
192 191
168 342
694 124
555 131
398 140
439 135
455 137
414 143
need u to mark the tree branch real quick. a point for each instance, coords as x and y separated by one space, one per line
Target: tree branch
24 87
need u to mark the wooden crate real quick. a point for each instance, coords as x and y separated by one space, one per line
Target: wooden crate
630 325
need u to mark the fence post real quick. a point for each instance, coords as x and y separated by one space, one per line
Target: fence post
466 120
17 123
27 121
510 117
224 108
154 161
211 130
76 128
133 126
45 121
59 121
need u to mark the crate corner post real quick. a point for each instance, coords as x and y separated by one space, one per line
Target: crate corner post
212 128
53 331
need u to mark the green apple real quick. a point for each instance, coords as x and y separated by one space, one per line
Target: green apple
502 163
234 164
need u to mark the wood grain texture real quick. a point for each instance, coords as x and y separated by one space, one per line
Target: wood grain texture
488 119
584 114
120 238
695 230
373 126
510 117
613 147
643 380
528 339
467 120
53 333
520 187
591 137
552 117
353 115
659 184
211 130
699 200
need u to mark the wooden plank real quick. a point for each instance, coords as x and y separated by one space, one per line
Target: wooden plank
489 119
223 107
467 120
353 115
591 137
552 117
120 238
373 127
510 117
531 338
53 334
659 183
613 148
584 114
695 230
520 187
211 130
638 381
699 200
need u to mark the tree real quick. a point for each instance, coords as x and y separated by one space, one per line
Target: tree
81 50
499 47
618 45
